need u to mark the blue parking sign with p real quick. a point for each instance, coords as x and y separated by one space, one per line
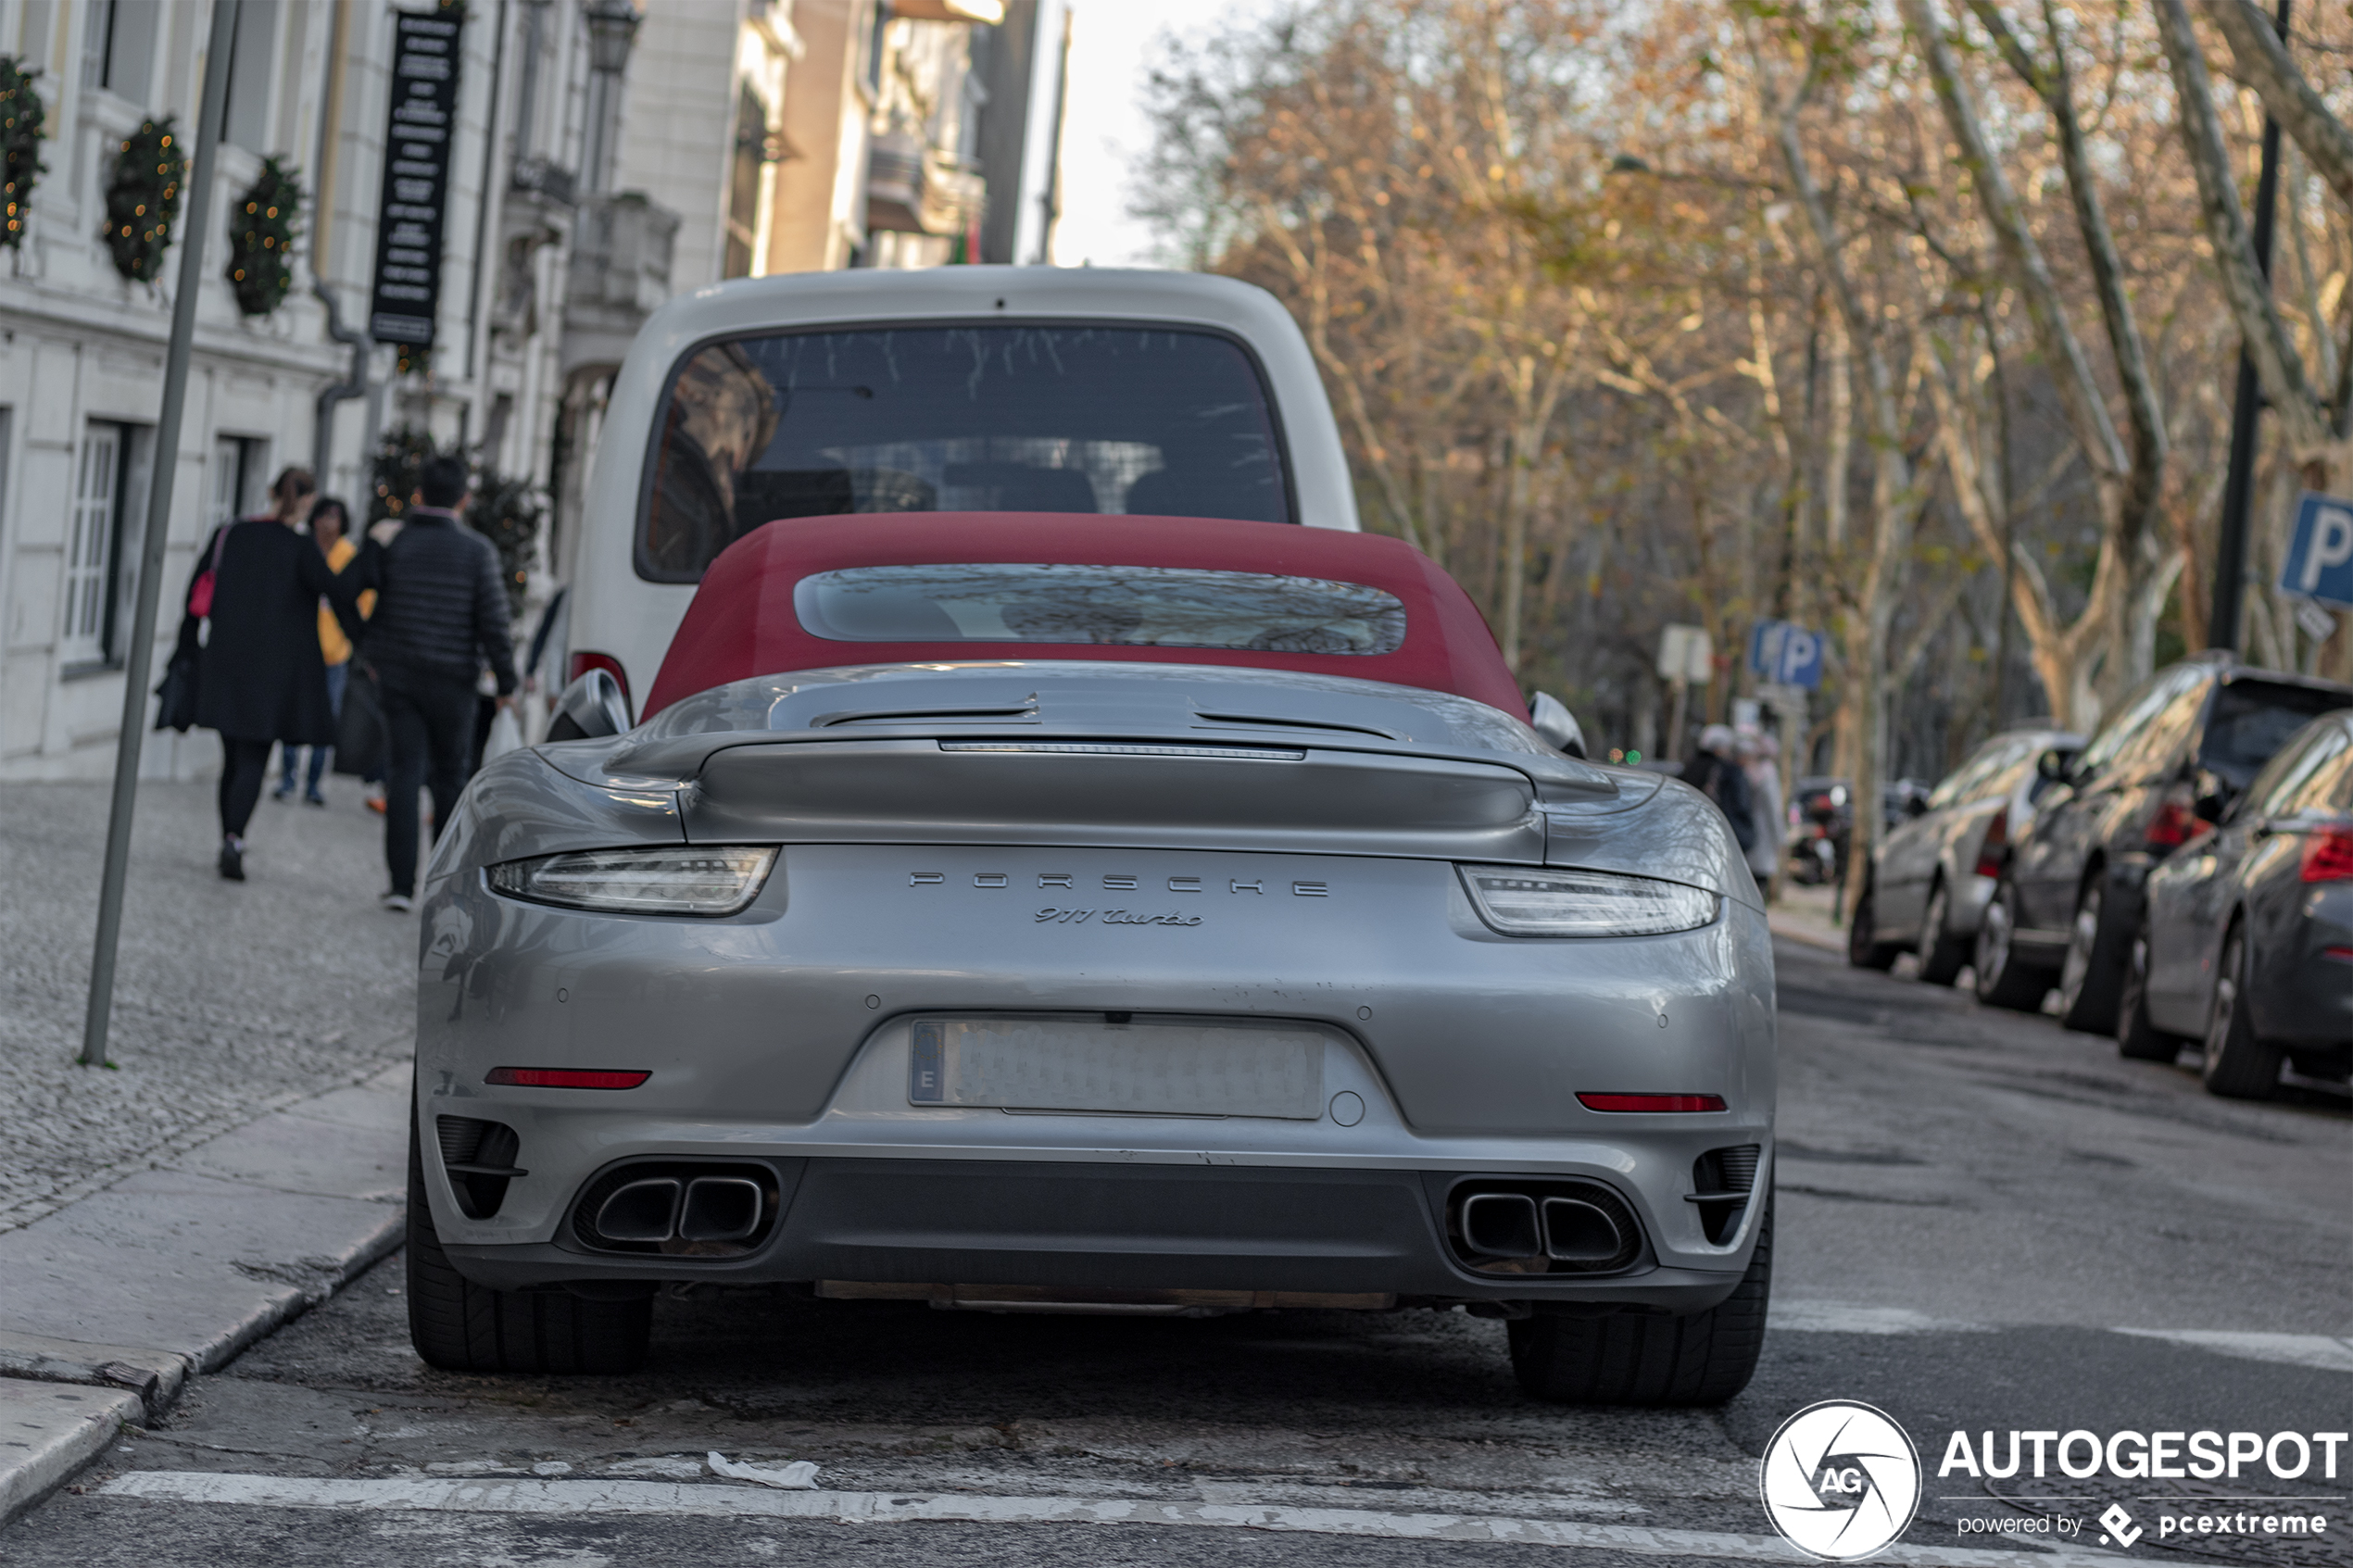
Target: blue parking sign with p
2319 558
1786 654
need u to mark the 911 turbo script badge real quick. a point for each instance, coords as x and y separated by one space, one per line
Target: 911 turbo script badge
1051 916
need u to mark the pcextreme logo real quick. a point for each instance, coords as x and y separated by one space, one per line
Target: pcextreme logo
1840 1480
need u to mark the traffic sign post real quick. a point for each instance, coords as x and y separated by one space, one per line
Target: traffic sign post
1686 658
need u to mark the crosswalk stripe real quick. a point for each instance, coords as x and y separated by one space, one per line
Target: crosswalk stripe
702 1501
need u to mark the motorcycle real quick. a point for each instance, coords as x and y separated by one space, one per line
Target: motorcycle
1821 822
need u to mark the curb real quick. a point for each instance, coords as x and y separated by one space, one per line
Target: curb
1805 932
47 1432
109 1304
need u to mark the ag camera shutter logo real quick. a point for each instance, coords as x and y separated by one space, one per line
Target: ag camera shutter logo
1840 1480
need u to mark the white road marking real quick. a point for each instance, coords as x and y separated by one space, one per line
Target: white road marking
710 1501
1841 1317
2316 1351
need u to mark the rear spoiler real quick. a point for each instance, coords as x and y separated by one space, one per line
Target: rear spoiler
1279 793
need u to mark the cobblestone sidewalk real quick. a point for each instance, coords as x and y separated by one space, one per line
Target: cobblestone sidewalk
232 998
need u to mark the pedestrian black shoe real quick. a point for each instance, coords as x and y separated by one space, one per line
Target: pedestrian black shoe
312 798
233 859
398 903
283 794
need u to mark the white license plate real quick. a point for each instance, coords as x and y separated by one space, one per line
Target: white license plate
1149 1067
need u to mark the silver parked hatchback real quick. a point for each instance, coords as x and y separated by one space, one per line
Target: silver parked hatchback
1034 912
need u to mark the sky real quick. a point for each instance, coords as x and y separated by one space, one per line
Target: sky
1105 135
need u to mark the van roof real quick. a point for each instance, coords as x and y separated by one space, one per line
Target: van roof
795 299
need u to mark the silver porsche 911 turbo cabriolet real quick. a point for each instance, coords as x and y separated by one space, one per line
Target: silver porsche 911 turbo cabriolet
1031 912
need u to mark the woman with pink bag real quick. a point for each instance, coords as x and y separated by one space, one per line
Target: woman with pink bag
251 631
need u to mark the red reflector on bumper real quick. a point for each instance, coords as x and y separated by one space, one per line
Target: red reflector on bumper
564 1078
1650 1103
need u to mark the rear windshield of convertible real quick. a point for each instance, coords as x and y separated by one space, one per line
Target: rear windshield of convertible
1120 606
1022 419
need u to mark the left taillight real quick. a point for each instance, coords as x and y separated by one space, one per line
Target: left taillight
2328 855
721 880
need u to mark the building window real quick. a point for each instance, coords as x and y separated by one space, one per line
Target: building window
252 48
238 464
118 45
95 544
743 185
880 15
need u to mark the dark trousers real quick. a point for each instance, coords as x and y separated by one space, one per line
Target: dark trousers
430 722
245 764
320 755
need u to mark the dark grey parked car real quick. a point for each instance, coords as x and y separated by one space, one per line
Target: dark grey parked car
2248 938
2172 756
1934 872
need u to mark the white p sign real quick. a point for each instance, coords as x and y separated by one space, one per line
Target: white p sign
2320 558
2332 545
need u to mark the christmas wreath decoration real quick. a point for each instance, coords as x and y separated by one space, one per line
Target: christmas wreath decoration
397 468
20 166
142 198
261 232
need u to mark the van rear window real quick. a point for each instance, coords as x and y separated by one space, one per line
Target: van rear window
1021 419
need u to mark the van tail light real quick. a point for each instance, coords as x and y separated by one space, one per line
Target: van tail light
2176 819
583 662
2328 855
1996 842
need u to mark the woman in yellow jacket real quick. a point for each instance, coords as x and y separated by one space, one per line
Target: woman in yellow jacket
330 531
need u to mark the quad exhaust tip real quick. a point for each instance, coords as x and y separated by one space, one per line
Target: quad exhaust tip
660 1209
1512 1225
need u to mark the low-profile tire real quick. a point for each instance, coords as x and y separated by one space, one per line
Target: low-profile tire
2092 980
460 1326
2238 1065
1634 1359
2137 1037
1864 950
2002 979
1942 955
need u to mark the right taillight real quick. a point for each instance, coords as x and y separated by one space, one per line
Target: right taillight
2328 855
1996 840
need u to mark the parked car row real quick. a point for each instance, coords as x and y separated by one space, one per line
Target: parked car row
2184 875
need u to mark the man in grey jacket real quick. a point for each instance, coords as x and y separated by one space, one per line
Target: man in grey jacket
440 616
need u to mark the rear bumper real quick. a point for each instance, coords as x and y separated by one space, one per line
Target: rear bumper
1093 1227
2305 1000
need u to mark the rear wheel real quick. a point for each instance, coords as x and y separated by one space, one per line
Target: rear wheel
460 1326
1942 955
2003 980
1864 950
2092 980
2135 1036
1628 1359
2237 1064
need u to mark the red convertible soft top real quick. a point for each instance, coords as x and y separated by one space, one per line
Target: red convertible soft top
743 623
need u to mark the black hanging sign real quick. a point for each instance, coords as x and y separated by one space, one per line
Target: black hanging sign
417 131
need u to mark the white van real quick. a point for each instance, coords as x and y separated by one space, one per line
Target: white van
1022 389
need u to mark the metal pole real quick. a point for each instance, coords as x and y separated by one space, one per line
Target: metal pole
136 664
2238 487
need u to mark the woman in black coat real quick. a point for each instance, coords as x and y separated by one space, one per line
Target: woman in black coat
261 679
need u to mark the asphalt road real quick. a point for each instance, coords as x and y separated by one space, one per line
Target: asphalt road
1985 1222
